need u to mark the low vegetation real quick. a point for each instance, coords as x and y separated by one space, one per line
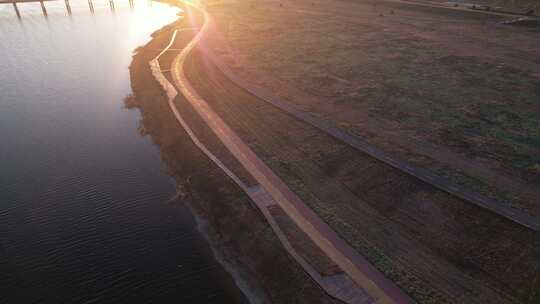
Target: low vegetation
454 92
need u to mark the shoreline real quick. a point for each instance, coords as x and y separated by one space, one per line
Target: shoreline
239 277
218 250
246 268
202 224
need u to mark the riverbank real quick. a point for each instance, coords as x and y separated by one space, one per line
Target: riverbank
436 247
429 243
237 230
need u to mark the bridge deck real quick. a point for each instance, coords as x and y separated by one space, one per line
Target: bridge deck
22 1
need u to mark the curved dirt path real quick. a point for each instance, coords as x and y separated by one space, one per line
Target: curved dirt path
339 285
360 271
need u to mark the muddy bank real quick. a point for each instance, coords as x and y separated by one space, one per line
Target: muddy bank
238 233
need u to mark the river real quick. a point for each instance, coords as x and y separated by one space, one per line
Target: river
84 211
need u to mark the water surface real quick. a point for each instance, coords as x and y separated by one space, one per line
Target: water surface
84 216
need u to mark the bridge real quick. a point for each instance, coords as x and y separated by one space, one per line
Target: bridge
44 9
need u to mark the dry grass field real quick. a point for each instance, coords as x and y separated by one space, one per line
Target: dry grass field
455 92
438 248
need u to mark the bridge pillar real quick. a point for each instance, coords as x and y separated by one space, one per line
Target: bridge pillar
16 10
43 9
68 7
91 6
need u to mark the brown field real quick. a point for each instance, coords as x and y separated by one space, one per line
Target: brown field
452 91
439 249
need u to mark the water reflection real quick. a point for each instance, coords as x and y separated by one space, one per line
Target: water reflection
83 198
20 8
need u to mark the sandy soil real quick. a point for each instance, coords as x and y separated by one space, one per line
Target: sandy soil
236 229
454 92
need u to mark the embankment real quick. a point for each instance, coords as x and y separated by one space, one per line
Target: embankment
237 231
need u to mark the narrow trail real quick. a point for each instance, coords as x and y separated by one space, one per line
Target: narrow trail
338 285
